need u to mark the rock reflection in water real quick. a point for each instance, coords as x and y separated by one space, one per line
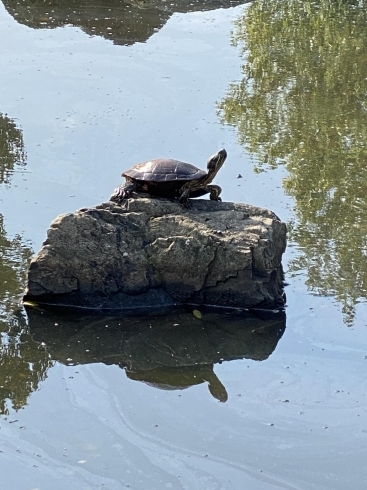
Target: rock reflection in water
170 352
124 22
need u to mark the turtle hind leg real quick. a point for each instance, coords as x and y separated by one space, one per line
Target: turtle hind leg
123 191
214 190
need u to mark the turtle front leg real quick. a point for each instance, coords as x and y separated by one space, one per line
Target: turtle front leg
123 191
184 197
214 190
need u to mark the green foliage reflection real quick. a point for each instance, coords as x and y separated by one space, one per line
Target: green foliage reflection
15 255
302 103
22 363
11 148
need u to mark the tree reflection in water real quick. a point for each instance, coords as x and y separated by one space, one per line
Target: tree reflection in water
22 364
11 148
14 253
302 103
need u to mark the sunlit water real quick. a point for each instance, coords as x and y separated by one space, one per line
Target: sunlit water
176 401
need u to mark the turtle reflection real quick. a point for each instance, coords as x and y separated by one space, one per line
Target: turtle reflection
168 378
170 352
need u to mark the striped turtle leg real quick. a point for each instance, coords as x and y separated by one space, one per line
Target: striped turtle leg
214 190
184 197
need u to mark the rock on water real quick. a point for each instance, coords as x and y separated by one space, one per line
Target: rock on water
151 252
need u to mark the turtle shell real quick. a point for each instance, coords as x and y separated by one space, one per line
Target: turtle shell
164 170
164 177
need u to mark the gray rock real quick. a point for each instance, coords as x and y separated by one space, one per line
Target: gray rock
151 252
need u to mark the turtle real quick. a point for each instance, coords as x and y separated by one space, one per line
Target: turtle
171 178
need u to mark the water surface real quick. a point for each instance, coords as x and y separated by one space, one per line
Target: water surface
185 400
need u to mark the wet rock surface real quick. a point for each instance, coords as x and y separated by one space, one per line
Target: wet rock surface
151 252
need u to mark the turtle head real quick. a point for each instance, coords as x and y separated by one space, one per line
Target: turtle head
216 161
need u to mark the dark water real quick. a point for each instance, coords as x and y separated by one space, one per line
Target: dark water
224 401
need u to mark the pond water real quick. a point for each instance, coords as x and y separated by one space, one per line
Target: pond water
175 401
